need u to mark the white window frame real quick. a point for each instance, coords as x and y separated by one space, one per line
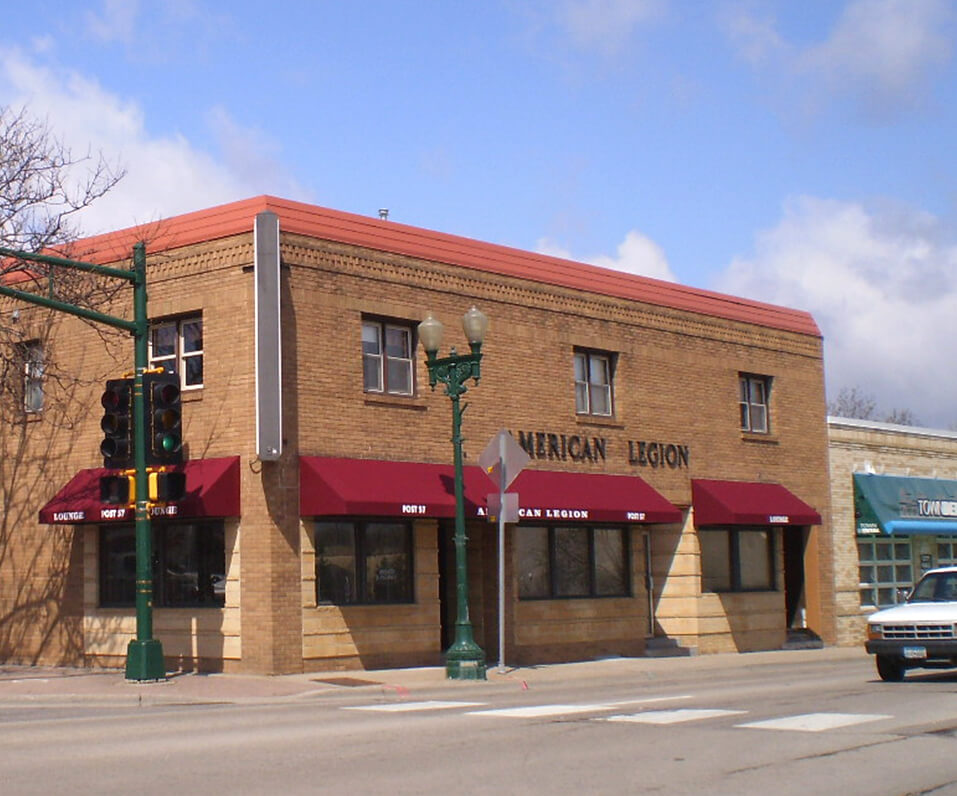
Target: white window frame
33 371
588 364
754 400
180 356
877 555
382 361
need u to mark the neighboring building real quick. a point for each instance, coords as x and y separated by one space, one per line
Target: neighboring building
894 504
677 487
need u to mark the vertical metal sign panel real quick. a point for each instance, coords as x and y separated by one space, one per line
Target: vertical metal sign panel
268 338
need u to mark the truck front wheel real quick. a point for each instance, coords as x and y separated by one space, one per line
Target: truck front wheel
890 669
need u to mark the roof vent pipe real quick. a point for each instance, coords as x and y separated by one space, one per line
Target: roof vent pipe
384 213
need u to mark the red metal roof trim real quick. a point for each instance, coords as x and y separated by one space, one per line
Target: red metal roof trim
390 236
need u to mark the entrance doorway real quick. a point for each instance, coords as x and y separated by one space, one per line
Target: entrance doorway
795 540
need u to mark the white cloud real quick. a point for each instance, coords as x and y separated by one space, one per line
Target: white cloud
882 51
165 175
117 22
605 24
880 55
636 254
880 285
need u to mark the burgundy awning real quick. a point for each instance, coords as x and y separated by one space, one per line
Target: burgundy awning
212 490
342 487
589 497
748 503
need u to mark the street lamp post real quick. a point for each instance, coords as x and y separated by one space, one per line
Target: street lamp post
464 659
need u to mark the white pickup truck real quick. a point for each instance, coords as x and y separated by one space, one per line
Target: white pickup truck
920 633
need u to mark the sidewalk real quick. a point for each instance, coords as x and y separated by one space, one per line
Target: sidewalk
35 685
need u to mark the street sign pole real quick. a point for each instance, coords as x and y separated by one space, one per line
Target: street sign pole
503 457
502 484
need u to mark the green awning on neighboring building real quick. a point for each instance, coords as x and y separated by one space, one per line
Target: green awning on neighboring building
900 505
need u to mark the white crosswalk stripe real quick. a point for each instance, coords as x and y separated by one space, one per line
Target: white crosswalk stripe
404 707
674 716
806 722
814 722
539 711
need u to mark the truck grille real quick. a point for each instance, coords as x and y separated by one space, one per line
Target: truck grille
918 631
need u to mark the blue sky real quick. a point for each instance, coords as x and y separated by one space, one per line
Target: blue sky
795 152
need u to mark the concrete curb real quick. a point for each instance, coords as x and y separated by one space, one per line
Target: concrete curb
49 686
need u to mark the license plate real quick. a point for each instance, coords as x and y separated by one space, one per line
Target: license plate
913 653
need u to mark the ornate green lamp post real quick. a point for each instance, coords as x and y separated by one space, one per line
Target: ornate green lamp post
464 660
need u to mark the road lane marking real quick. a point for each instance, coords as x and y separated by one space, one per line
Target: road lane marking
674 716
539 711
814 722
403 707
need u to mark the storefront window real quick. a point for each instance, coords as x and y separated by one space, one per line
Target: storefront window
189 565
738 559
886 571
572 562
363 563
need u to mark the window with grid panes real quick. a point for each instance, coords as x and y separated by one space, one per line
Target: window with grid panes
177 346
946 552
886 570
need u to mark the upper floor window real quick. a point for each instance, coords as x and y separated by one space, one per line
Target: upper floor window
753 399
31 353
593 380
387 349
177 345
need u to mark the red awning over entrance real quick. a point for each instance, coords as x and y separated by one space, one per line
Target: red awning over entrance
748 503
212 490
342 487
371 487
545 495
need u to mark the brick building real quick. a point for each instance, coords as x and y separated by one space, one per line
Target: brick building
677 490
894 508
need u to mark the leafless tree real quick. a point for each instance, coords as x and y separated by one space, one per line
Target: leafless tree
902 417
43 186
853 402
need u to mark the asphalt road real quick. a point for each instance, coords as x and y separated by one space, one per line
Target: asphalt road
721 726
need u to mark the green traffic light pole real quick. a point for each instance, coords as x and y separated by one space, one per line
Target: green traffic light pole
464 659
144 655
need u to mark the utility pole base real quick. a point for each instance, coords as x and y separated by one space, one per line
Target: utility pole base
144 661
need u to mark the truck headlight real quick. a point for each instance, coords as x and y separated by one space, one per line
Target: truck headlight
875 632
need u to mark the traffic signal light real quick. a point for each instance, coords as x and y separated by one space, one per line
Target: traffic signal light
167 487
117 424
118 490
164 433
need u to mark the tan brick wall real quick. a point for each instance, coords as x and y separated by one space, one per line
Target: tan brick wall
675 382
857 447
